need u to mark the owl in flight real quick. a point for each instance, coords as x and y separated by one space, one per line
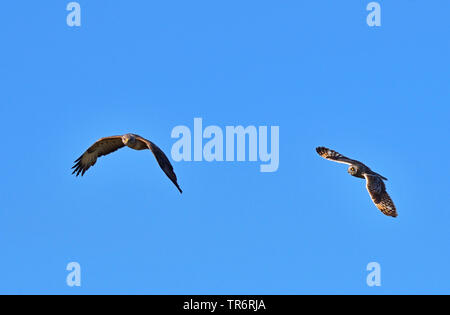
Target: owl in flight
374 182
107 145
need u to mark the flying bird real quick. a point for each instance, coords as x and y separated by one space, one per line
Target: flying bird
107 145
374 181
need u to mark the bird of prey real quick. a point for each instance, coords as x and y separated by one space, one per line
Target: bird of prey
108 145
374 181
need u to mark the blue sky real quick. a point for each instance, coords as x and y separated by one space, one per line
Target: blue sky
313 68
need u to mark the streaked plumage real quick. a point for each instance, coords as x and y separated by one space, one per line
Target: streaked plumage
374 181
107 145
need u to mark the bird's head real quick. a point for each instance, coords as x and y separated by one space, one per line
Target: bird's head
353 170
128 139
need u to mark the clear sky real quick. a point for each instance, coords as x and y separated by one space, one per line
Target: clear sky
313 68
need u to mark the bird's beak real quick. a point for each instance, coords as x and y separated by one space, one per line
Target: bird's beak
126 141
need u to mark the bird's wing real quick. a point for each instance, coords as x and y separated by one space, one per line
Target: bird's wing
377 191
336 157
162 159
102 147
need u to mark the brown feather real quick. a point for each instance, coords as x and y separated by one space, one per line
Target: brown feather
337 157
377 191
162 160
102 147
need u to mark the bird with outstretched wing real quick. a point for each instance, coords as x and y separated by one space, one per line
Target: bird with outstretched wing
107 145
374 181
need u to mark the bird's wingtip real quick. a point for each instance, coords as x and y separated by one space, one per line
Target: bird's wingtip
321 150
